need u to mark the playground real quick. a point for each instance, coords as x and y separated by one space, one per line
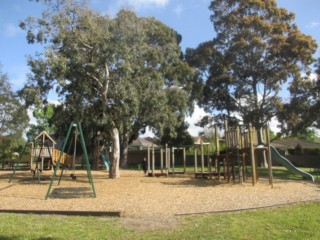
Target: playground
137 196
154 199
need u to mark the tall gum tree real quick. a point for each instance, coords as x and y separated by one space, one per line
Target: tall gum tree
13 117
256 50
114 72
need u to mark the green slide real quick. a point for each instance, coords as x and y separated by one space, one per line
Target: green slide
105 160
276 156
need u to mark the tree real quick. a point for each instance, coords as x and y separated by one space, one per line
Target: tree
300 115
180 139
113 73
42 115
13 117
257 49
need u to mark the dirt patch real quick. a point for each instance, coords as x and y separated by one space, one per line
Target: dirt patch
151 223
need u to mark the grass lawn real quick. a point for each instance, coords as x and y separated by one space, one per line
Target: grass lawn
284 173
300 221
277 171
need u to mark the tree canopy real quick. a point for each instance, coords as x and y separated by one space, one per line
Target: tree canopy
43 116
300 115
256 50
122 73
13 116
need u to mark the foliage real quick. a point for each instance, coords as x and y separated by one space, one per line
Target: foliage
42 114
301 113
182 137
118 74
308 134
257 49
13 117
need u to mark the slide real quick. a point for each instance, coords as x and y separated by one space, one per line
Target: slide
276 156
105 160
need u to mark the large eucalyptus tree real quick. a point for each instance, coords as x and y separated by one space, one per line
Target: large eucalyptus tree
115 72
257 50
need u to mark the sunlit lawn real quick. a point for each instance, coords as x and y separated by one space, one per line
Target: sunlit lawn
291 222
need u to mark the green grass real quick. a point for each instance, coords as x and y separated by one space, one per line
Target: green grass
277 171
284 173
291 222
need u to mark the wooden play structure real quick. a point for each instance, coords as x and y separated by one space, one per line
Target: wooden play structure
245 145
203 148
242 147
166 164
44 154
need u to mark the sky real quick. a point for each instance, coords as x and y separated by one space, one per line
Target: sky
190 18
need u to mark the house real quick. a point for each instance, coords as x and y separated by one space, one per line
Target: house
141 143
291 146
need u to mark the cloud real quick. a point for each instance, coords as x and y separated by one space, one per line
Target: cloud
313 25
145 3
273 125
17 7
18 76
11 30
139 4
193 119
178 10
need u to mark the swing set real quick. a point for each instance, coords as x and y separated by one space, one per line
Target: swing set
45 156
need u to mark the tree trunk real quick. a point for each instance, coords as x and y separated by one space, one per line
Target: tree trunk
96 153
124 149
261 156
114 166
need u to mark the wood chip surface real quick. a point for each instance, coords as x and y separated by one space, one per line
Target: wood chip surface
138 196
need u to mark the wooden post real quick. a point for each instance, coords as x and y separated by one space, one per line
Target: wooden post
173 159
269 156
148 170
153 160
227 159
195 161
167 161
184 160
161 160
210 168
202 157
252 156
43 150
239 153
217 150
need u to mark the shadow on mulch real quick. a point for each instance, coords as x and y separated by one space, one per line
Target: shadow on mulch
68 193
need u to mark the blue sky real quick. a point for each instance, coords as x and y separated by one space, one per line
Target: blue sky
190 18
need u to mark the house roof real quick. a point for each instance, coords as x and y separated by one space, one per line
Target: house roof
142 142
292 143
